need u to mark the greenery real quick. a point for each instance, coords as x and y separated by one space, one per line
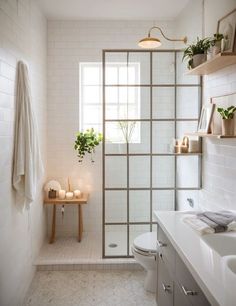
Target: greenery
86 142
227 113
218 37
127 129
200 47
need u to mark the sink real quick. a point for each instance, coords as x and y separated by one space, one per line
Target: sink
231 264
229 279
223 243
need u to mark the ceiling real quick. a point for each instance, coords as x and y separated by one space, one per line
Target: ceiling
112 9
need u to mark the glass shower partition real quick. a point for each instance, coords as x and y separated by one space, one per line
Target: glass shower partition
147 102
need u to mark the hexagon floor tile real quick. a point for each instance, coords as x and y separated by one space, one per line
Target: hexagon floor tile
88 288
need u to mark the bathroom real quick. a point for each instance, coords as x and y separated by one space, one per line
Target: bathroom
87 70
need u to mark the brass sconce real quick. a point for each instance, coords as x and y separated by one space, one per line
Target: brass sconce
152 42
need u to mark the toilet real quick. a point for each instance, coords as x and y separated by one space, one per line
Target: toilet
144 249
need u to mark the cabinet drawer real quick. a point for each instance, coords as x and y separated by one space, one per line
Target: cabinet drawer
179 297
166 251
165 286
188 285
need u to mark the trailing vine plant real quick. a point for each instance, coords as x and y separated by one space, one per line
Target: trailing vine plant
86 142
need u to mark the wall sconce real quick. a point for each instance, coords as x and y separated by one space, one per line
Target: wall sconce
152 42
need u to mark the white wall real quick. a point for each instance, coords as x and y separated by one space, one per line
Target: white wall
219 171
215 10
71 42
22 37
190 22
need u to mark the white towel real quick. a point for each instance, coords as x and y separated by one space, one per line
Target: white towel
203 228
198 225
27 163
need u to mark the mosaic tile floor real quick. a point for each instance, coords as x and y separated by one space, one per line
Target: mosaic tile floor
89 288
67 250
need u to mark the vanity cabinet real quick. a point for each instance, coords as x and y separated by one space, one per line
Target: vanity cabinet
175 284
165 286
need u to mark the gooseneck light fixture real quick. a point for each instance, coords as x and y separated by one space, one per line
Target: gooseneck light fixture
152 42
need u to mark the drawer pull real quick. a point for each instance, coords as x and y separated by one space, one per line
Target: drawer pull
166 288
188 292
161 244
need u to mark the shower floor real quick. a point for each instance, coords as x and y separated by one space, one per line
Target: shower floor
67 250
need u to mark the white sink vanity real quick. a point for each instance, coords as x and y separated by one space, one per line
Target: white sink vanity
193 269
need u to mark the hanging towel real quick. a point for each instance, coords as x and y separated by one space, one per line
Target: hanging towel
27 163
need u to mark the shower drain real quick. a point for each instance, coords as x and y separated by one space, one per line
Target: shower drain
113 245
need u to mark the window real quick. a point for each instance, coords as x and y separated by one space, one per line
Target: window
91 96
123 102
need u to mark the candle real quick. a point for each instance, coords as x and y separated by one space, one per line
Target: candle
62 194
77 193
69 195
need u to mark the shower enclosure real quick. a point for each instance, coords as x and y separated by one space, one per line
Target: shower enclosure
147 102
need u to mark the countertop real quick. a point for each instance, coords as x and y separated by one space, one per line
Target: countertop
205 264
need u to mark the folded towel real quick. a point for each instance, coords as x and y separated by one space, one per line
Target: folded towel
203 228
218 221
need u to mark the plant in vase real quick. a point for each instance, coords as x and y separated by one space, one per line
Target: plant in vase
86 142
127 129
215 45
227 116
196 54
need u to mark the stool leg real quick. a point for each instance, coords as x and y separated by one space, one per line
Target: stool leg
52 239
80 225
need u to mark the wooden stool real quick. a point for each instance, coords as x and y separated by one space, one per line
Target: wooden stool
79 202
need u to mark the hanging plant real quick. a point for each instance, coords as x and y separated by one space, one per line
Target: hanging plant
86 142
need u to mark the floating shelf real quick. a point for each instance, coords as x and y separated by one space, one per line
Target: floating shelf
209 135
218 62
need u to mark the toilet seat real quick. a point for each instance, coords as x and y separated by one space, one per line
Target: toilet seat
145 244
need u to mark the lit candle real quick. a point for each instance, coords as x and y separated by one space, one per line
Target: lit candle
69 195
61 194
77 193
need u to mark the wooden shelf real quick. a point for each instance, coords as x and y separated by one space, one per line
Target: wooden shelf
209 135
218 62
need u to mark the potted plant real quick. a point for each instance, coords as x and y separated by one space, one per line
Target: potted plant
216 45
197 53
227 116
86 142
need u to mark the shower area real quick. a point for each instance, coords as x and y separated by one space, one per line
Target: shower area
147 103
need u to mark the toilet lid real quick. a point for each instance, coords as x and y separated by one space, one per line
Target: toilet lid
146 242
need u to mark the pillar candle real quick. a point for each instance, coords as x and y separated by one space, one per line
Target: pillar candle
77 193
69 195
62 194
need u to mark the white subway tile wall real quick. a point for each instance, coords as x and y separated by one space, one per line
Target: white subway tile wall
219 161
23 36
